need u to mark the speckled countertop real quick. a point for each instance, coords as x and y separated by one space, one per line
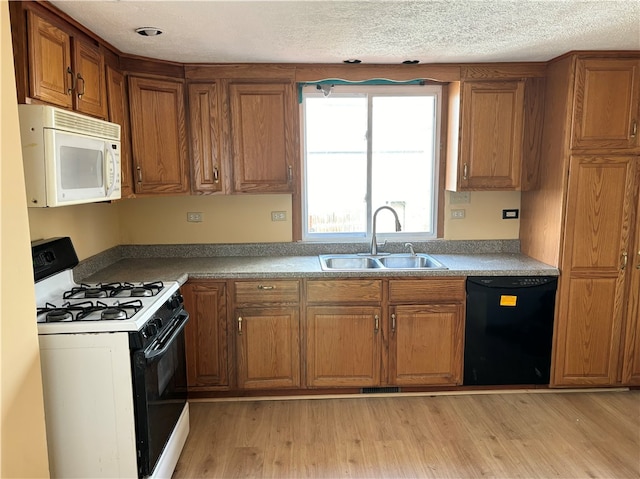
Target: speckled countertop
172 263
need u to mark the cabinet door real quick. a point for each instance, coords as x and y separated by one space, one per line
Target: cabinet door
51 78
262 136
605 110
119 113
491 137
268 347
90 97
158 135
594 266
343 346
206 334
631 356
206 147
425 345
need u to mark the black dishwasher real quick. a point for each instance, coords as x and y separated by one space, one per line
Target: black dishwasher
509 329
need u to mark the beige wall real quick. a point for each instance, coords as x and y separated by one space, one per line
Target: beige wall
93 227
23 451
483 216
226 219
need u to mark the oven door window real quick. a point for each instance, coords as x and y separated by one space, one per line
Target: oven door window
161 393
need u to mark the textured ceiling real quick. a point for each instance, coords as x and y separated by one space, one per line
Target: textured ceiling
372 31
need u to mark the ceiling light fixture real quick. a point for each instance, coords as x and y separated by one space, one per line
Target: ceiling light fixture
148 31
352 61
411 62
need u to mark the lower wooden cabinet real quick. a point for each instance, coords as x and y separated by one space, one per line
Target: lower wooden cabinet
268 347
425 344
343 346
426 331
206 335
266 325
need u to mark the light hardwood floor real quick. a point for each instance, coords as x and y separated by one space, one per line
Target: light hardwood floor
508 435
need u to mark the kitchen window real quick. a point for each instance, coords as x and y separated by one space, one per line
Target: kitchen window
367 146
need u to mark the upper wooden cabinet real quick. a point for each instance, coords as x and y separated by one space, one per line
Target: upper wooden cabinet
491 119
606 104
65 70
262 124
119 113
158 135
205 133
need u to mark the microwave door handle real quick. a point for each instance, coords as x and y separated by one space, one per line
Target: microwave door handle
110 178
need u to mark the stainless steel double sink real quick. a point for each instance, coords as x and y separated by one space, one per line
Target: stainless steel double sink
359 262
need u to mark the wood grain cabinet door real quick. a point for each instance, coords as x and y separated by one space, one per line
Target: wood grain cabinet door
206 141
262 137
268 347
606 105
594 268
425 344
51 78
491 135
631 356
90 92
206 334
119 113
343 346
158 135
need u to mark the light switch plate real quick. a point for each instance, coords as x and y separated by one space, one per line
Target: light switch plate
459 197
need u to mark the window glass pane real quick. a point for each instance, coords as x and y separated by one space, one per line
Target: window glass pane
336 164
403 163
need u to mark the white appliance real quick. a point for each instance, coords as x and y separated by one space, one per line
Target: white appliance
113 371
68 158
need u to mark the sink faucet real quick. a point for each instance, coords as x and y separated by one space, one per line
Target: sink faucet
374 244
409 246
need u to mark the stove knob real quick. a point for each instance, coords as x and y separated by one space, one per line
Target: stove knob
158 322
151 330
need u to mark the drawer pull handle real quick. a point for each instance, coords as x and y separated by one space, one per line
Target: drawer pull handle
73 81
625 257
289 174
240 325
265 287
638 263
465 171
139 174
634 129
216 175
393 323
81 93
376 326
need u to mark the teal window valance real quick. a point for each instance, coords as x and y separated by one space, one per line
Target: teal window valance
326 84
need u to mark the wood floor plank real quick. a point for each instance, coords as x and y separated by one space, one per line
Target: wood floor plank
511 435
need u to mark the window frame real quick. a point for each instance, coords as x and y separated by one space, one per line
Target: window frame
439 90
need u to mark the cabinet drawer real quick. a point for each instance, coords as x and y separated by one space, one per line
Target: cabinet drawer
428 289
344 290
267 291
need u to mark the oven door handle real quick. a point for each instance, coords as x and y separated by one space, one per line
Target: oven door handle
152 352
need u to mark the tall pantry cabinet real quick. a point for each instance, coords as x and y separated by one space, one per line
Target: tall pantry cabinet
583 217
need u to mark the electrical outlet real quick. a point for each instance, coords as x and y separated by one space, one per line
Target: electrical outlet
510 214
194 217
458 197
278 216
457 214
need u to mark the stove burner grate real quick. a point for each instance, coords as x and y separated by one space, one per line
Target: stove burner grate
85 311
138 290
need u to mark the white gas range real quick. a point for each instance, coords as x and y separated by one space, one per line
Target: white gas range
114 370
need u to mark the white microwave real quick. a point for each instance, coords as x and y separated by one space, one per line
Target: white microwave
68 158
